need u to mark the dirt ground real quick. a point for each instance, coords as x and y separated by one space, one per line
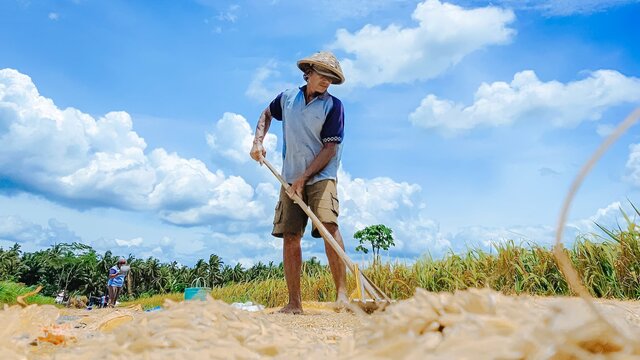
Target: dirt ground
474 324
319 322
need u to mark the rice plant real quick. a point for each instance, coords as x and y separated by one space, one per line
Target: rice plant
609 267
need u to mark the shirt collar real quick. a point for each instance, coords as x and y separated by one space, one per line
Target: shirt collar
324 95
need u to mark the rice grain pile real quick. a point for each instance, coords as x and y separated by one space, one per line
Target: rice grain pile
197 330
484 324
472 324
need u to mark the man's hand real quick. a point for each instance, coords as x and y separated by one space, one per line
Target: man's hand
258 153
297 187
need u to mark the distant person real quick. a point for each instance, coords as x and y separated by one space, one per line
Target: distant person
60 297
117 274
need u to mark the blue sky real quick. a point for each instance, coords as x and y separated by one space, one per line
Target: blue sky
126 125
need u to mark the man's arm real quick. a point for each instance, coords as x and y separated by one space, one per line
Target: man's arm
257 150
325 155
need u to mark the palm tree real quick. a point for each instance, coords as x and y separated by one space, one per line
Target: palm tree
215 275
238 273
10 264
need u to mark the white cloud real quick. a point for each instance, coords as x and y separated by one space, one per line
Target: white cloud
68 156
444 35
267 84
398 205
528 98
54 16
485 237
129 243
242 246
609 217
633 165
232 138
31 236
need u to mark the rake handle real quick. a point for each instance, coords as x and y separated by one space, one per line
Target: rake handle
326 235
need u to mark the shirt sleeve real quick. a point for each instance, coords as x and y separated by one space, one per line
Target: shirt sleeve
276 107
333 128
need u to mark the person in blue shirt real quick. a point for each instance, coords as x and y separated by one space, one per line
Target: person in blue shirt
313 131
117 274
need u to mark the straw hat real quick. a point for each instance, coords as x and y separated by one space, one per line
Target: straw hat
324 63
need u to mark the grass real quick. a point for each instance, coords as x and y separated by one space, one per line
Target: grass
609 268
9 291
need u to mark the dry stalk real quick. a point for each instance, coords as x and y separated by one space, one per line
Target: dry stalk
573 279
21 299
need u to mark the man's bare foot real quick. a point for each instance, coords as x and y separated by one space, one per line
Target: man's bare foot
342 298
291 309
342 303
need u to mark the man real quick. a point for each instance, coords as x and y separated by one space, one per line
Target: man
117 273
313 129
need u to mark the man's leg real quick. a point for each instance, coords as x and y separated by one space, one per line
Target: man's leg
110 289
292 261
116 294
338 268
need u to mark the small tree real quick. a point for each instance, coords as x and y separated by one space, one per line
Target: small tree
378 236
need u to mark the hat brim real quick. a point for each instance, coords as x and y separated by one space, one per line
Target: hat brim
322 69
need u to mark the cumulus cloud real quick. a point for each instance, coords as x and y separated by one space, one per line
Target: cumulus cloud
54 16
31 236
267 83
398 205
232 138
248 248
129 243
445 33
68 156
485 238
527 98
609 217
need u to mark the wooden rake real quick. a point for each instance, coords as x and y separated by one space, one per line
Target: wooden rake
378 299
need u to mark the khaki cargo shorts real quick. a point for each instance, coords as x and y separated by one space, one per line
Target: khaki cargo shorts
322 198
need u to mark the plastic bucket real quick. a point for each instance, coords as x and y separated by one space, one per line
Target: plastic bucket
196 293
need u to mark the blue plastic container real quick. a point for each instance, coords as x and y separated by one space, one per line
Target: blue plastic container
196 293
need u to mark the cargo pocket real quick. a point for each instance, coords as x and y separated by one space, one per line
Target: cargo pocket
278 213
335 204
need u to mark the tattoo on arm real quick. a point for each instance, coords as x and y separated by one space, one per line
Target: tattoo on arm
263 126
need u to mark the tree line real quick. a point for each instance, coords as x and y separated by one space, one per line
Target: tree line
80 270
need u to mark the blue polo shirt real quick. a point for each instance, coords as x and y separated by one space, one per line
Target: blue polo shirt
305 128
117 281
